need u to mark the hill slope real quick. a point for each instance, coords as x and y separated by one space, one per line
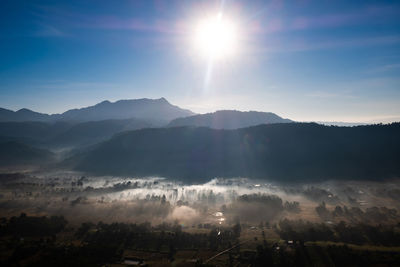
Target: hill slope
229 119
32 132
285 152
66 134
88 133
15 154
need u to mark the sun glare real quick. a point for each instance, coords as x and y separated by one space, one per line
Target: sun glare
216 37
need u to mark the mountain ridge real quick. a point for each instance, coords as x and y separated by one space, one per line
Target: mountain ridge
159 111
22 114
229 119
281 152
13 153
62 134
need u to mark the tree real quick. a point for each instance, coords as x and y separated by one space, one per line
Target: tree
237 230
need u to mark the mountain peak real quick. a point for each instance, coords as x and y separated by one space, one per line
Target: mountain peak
25 110
105 102
23 114
155 110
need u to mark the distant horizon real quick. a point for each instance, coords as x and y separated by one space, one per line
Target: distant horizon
213 111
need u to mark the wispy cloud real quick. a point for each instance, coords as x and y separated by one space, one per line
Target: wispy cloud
299 45
369 14
134 24
385 68
330 94
48 31
274 21
74 85
75 19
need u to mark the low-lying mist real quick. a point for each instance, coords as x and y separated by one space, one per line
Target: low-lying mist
221 201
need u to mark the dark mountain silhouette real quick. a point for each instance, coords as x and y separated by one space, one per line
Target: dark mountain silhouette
66 134
88 133
85 126
229 119
156 111
284 152
32 132
16 154
22 115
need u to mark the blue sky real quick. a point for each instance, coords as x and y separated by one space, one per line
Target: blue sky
305 60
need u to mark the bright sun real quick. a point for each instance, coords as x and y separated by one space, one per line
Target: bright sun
216 37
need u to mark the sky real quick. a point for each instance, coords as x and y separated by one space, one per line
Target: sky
304 60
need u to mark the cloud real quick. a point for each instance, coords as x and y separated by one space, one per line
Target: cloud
366 15
274 22
73 19
74 85
325 94
300 45
48 31
385 68
134 24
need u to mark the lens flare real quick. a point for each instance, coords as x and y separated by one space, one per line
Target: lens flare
216 37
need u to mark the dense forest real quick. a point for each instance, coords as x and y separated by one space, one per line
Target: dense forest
284 152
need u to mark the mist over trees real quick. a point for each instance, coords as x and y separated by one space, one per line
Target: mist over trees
73 219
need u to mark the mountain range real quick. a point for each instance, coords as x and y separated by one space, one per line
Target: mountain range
87 126
146 137
157 111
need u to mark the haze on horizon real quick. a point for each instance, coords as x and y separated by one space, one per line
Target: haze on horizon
304 60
